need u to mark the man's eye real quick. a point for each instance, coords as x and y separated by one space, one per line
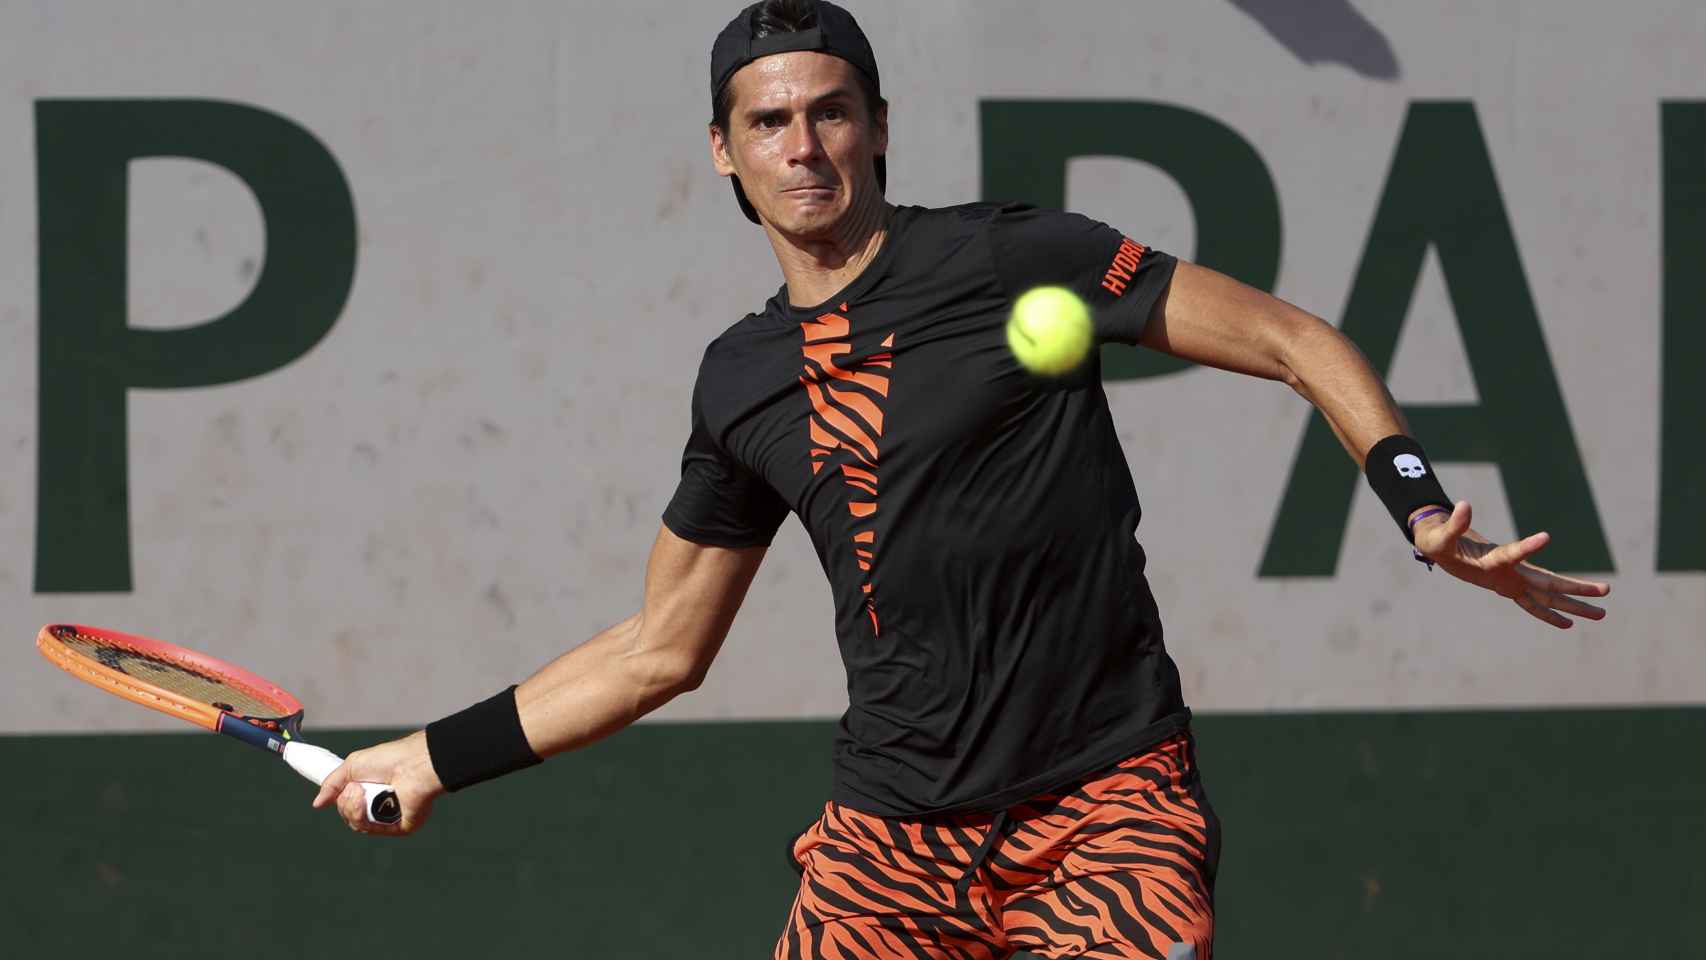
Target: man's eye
769 122
834 114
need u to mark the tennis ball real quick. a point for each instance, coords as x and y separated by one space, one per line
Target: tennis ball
1049 330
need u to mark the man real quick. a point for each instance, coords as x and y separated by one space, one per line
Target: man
1015 768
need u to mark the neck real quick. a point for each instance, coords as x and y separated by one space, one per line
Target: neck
815 267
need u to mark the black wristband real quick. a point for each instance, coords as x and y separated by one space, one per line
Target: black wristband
1403 479
479 743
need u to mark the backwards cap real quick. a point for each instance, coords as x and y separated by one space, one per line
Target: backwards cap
836 34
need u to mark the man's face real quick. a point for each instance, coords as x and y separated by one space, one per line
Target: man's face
802 140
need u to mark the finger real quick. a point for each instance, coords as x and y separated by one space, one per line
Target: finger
1539 611
1458 522
1439 538
352 805
332 786
1541 578
1515 552
1574 607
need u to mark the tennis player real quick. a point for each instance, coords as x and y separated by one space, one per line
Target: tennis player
1015 770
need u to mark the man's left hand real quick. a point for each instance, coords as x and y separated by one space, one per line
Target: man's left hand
1460 551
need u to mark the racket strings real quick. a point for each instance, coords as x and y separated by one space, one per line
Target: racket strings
170 675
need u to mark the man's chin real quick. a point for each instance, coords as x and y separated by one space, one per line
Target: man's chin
807 226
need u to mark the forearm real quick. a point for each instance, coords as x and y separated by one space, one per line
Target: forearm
598 688
1328 370
613 679
1209 318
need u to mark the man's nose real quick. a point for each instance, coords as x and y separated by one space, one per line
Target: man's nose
803 144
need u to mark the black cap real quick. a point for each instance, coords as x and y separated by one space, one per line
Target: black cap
836 34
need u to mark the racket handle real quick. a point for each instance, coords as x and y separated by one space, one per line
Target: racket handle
317 763
382 805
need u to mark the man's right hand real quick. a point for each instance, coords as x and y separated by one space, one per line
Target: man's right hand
405 765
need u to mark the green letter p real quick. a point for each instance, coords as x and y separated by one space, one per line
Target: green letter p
90 356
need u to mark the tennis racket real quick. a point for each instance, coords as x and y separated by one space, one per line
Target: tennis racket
207 692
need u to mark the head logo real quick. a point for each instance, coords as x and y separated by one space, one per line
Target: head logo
1409 465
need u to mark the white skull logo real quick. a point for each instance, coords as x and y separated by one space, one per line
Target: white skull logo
1409 465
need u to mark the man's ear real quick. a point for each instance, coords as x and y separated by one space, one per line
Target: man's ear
720 152
883 129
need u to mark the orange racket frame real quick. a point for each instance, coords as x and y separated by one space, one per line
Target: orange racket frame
165 701
278 734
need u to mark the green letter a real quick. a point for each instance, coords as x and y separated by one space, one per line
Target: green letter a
1442 192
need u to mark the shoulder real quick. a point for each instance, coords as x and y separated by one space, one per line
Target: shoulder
1032 246
934 242
745 334
1024 237
729 361
1014 226
1038 223
964 218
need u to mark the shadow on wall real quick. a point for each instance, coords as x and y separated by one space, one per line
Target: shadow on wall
1326 31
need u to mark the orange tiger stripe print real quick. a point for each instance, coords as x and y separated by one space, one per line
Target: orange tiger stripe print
846 417
1120 866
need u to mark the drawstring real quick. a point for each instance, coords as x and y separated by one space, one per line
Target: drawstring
996 829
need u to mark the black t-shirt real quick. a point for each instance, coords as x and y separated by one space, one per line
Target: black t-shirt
977 523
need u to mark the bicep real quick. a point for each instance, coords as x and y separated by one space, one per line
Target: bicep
1209 318
693 591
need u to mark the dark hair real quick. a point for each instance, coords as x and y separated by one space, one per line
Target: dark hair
788 16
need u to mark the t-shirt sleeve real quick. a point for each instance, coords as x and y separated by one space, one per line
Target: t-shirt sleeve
1117 276
719 501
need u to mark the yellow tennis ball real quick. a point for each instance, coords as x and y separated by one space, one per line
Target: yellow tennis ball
1050 331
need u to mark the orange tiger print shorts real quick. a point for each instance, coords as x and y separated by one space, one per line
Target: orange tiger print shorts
1120 865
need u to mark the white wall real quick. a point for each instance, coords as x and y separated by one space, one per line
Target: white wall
462 480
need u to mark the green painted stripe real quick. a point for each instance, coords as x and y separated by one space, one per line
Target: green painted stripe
1544 833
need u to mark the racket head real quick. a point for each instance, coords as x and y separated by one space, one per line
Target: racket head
174 680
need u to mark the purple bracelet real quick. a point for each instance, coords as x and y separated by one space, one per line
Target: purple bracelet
1418 518
1429 512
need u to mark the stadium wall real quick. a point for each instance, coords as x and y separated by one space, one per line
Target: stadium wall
354 343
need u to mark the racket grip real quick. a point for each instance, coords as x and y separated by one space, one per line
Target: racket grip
317 763
382 805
